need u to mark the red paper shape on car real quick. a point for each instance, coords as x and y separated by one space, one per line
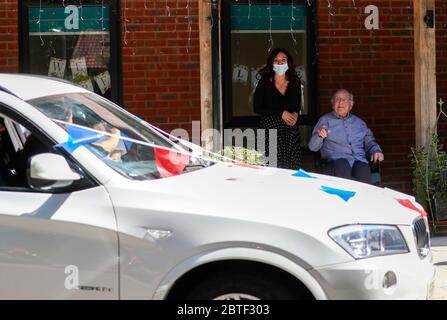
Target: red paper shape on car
169 162
408 204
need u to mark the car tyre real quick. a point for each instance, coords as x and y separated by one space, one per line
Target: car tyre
242 286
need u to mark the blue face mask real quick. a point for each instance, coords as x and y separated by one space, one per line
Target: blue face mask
280 69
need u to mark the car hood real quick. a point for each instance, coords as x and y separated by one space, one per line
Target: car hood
269 195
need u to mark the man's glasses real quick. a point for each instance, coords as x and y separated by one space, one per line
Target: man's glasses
342 100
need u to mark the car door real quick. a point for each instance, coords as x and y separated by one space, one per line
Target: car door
55 244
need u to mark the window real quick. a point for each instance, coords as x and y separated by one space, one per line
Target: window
73 40
100 125
17 146
252 28
19 142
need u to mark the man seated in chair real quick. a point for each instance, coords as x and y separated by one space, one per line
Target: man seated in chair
345 140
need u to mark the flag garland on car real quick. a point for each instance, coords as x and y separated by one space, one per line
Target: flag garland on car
303 174
169 162
195 148
410 205
79 136
343 194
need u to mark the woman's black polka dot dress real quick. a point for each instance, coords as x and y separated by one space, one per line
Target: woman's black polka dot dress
287 144
270 104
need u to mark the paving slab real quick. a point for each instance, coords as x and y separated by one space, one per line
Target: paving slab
439 253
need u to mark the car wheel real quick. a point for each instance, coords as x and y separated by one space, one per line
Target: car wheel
242 286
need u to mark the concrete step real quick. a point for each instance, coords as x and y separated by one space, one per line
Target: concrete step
439 253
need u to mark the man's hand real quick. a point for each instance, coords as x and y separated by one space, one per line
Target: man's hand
115 131
378 156
323 132
290 118
111 142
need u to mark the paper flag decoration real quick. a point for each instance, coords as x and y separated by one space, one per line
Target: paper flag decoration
408 204
255 77
78 136
57 67
78 66
303 174
103 81
301 72
170 163
344 194
240 74
87 84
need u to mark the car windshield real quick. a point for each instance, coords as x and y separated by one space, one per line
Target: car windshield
119 139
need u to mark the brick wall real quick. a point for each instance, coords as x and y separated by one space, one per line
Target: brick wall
378 67
161 61
9 52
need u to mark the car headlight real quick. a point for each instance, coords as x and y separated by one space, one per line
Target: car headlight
365 241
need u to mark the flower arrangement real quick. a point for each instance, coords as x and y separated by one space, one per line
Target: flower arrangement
248 156
430 175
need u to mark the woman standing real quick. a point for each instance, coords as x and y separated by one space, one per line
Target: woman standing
278 100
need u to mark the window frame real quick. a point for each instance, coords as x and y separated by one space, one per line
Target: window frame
87 181
231 121
115 42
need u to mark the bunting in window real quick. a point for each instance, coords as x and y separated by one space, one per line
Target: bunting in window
57 67
80 74
240 74
255 77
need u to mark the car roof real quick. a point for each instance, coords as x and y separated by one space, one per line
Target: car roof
27 86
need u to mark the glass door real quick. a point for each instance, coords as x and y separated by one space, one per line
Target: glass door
251 29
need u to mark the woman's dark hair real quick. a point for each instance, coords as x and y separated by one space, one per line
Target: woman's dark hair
267 73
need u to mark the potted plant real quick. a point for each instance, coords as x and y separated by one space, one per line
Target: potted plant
430 176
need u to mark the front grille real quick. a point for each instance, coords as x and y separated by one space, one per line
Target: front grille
422 237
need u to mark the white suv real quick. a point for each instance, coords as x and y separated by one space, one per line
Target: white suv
77 222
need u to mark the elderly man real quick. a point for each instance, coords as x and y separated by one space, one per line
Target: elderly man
345 140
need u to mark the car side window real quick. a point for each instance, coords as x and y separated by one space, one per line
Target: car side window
17 146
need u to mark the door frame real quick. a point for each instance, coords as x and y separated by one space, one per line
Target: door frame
224 52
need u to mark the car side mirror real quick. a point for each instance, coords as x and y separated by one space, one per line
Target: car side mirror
49 170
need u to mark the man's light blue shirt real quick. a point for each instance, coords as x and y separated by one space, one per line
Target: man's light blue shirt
348 138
